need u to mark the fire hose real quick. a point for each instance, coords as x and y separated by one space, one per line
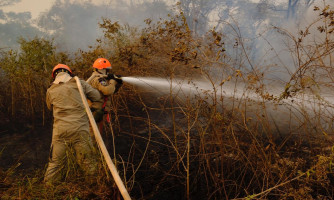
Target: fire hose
102 146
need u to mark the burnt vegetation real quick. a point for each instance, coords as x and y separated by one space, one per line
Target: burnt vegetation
165 147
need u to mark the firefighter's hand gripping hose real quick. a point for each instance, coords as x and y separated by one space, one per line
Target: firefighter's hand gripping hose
118 80
102 146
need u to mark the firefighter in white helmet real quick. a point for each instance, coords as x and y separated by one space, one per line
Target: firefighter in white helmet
107 83
71 123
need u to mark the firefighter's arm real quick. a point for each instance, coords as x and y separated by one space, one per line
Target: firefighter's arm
107 87
117 78
92 94
48 100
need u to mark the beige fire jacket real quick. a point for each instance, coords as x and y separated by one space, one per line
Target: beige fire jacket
71 125
68 110
106 88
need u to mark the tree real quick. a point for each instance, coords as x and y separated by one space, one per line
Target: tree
197 13
297 6
74 24
28 72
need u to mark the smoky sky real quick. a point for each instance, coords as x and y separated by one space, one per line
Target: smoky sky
8 2
17 25
74 24
2 15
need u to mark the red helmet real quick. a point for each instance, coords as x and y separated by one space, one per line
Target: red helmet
101 63
60 66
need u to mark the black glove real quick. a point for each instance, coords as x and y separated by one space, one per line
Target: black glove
117 78
110 76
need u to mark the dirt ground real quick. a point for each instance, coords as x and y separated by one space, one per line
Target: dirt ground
25 150
23 147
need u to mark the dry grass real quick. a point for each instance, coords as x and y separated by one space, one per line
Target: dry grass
206 145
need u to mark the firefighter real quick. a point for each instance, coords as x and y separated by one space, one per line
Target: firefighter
107 83
71 123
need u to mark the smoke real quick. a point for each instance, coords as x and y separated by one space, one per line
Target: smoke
74 25
284 117
8 2
17 25
258 35
279 46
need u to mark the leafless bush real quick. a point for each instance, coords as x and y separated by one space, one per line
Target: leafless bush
224 141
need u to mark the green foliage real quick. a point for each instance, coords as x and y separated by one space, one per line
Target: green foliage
36 56
28 73
83 63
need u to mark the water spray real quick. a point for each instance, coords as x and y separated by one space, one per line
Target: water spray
163 85
296 106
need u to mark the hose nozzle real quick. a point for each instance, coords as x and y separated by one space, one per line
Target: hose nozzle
115 77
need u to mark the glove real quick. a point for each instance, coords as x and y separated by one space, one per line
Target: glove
98 115
117 78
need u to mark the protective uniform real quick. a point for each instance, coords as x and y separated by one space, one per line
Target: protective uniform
100 80
71 125
106 88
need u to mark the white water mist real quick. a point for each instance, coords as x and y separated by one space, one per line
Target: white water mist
163 85
197 87
286 115
180 87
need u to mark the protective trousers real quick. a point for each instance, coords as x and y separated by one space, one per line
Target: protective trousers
70 127
63 144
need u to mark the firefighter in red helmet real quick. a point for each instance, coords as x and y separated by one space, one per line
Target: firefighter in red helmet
107 83
71 124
